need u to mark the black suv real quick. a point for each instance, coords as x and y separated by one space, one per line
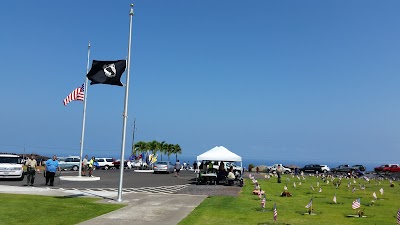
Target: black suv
359 167
312 168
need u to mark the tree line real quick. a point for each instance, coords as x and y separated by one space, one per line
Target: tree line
157 147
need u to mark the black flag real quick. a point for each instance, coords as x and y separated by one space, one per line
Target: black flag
106 72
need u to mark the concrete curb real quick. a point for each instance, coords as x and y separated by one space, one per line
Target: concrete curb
79 178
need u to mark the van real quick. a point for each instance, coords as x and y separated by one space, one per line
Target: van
11 166
69 163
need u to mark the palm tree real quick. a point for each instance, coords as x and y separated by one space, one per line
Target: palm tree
153 147
161 148
139 147
169 148
177 150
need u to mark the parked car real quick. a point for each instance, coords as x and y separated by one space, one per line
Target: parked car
387 168
69 163
359 167
236 168
312 168
343 169
275 166
11 166
163 166
325 168
117 163
105 163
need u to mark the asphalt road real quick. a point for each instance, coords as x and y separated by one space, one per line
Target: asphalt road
111 179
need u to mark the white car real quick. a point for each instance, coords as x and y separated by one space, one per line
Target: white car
105 163
11 166
325 168
273 168
236 168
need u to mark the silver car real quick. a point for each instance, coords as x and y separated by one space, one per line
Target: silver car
163 166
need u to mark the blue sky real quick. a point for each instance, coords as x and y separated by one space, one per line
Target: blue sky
275 80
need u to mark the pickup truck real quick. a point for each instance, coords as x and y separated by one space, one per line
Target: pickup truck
388 168
275 166
343 169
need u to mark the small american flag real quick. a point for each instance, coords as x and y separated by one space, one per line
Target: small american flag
263 203
294 184
398 217
334 198
309 204
312 188
276 213
356 204
320 190
381 190
77 94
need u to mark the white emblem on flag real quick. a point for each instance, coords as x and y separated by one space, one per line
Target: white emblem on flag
109 70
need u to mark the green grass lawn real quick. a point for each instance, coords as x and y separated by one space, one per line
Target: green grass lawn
35 209
246 208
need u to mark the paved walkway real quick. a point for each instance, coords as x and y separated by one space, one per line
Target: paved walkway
142 208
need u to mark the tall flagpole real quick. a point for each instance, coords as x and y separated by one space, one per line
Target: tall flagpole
125 114
84 111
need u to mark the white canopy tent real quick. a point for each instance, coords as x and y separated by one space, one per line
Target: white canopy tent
220 153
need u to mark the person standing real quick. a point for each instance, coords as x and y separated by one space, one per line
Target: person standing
91 166
51 168
195 167
30 170
84 165
177 168
279 173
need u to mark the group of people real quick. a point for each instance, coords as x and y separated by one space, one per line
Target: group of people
88 165
51 167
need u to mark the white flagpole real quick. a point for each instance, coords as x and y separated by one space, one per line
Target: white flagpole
84 111
125 114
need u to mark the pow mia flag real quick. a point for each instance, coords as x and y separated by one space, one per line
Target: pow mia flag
106 72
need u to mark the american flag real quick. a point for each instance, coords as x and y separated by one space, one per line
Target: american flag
381 190
294 184
77 94
398 217
263 203
334 198
309 204
312 188
356 204
276 213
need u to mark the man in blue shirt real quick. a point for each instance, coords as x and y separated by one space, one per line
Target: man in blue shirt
51 168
